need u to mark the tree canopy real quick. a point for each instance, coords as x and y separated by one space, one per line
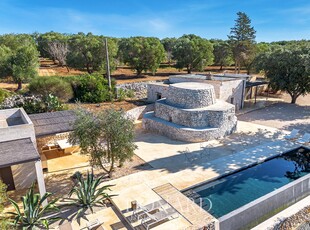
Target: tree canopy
242 40
288 70
222 54
192 52
88 51
142 53
19 57
107 137
169 44
25 64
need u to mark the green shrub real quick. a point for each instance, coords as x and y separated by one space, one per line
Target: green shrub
51 85
92 88
4 94
33 104
122 94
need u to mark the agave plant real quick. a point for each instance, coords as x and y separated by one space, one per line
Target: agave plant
88 192
34 215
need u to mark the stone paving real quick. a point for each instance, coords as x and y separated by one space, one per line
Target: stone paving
187 164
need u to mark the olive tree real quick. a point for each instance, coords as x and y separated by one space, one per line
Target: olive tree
193 53
55 46
168 44
88 51
107 137
288 70
5 59
25 64
222 54
19 57
142 53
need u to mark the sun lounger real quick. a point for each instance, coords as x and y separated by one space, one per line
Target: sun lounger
151 219
147 208
292 135
65 226
304 139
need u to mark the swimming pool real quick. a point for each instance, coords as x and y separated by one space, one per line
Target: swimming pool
229 193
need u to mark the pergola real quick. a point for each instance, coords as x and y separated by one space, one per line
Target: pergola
255 84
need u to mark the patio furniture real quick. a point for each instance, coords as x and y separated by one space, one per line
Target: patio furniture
147 208
304 139
66 226
191 156
151 219
205 151
294 133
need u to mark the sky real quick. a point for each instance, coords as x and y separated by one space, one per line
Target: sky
274 20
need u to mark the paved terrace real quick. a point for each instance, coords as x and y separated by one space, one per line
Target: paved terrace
184 165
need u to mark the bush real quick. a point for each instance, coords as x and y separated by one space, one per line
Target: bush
33 104
122 94
92 88
4 94
51 85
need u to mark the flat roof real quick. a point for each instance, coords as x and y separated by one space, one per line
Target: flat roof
255 83
193 76
17 152
53 122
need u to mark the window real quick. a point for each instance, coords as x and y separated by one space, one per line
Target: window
158 96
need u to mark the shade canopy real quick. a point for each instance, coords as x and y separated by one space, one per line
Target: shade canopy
17 152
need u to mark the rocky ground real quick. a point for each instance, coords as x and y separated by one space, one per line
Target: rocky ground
299 221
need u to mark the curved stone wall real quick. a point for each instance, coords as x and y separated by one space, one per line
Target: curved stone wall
212 116
191 113
191 95
182 133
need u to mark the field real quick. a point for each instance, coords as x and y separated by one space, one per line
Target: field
123 74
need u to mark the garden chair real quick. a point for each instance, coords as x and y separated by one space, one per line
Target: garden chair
190 157
304 139
140 210
151 219
205 151
293 135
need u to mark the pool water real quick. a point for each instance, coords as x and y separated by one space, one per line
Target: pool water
235 190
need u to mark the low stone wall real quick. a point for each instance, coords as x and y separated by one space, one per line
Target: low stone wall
155 89
138 112
182 133
255 211
195 118
139 88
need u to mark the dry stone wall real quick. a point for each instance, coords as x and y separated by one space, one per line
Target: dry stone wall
191 113
191 96
156 89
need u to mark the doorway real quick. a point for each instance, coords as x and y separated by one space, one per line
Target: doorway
7 177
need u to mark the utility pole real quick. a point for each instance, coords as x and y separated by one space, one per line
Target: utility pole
108 64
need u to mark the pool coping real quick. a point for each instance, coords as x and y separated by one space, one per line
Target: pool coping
240 169
260 199
267 196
